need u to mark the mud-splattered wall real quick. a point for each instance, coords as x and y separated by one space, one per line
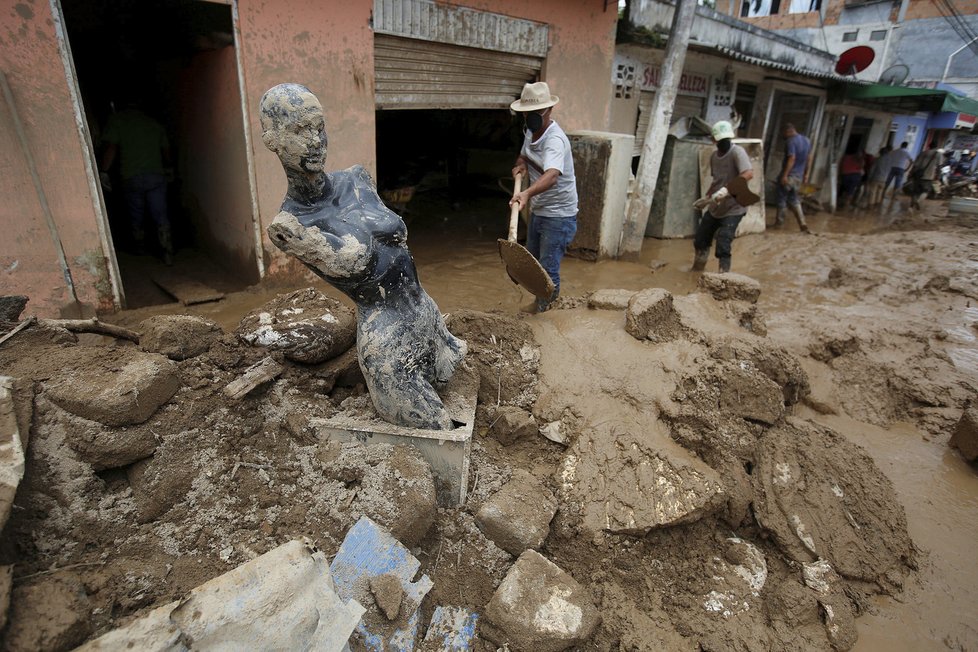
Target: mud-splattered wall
29 264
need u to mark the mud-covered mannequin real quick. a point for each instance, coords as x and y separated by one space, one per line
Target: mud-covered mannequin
337 226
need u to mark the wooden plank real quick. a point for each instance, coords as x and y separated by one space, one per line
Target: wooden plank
187 291
254 376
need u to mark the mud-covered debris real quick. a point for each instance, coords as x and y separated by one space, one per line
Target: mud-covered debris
117 387
518 516
102 446
306 325
728 286
772 360
651 316
539 608
451 629
554 432
6 584
652 488
836 611
732 389
511 424
49 613
738 579
965 437
11 307
11 448
391 484
608 299
160 482
178 337
387 592
823 497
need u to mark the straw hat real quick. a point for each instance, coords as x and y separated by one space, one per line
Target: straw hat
534 97
723 129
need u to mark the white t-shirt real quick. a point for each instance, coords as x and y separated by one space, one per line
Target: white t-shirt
552 151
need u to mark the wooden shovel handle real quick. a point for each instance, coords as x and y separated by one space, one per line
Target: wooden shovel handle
514 210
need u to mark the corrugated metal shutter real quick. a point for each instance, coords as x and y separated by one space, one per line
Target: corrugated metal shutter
415 74
686 106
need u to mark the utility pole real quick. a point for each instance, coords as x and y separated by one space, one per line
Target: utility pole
637 215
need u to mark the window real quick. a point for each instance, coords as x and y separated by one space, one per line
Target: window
804 6
877 35
624 80
757 8
849 37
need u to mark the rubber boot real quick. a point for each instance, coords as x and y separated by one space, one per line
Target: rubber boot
800 216
724 265
779 217
699 262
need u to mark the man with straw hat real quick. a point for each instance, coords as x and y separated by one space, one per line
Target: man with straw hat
552 193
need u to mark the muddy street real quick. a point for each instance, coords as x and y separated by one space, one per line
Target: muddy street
708 472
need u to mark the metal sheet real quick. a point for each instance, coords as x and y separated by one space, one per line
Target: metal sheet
412 74
686 106
444 23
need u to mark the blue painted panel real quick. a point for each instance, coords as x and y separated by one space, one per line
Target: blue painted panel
452 629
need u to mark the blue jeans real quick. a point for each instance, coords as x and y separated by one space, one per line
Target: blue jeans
724 229
788 193
547 239
146 193
897 174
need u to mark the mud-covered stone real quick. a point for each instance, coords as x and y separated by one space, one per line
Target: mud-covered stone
117 388
6 584
160 482
822 497
392 485
388 593
730 286
11 307
965 437
652 487
651 315
538 607
749 394
178 337
517 517
306 325
772 360
511 424
108 448
608 299
50 614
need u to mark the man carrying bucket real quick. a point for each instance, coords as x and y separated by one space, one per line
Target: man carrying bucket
552 193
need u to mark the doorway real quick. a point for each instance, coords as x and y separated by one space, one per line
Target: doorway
172 63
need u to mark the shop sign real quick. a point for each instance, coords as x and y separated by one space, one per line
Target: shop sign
963 142
689 84
964 121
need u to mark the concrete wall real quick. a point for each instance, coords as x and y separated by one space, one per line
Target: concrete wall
30 58
213 167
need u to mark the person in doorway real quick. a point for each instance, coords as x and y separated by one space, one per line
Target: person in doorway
923 174
141 145
794 172
851 170
722 213
876 178
552 192
898 162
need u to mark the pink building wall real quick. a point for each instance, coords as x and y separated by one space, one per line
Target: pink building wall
29 264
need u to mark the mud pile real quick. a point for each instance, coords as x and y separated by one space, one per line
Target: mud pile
693 504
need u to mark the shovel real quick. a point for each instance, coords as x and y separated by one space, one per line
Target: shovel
521 266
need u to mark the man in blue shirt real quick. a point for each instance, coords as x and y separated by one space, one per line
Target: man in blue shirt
794 172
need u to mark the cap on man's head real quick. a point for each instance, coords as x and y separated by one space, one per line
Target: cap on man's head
534 97
723 129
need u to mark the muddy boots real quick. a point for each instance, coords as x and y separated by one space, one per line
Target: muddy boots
724 265
800 216
699 262
779 218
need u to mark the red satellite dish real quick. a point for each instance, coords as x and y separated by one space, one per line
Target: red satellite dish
855 60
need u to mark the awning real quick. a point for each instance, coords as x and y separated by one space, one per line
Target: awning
903 99
774 65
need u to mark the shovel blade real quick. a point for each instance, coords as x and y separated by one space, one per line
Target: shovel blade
525 270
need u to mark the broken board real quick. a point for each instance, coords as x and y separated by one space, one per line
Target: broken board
185 290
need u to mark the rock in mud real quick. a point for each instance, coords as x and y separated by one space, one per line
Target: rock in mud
622 484
178 337
392 485
50 614
517 517
651 316
724 287
836 610
387 592
6 583
733 389
306 325
965 437
539 608
772 360
11 307
822 497
608 299
511 424
107 448
737 579
160 482
117 387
